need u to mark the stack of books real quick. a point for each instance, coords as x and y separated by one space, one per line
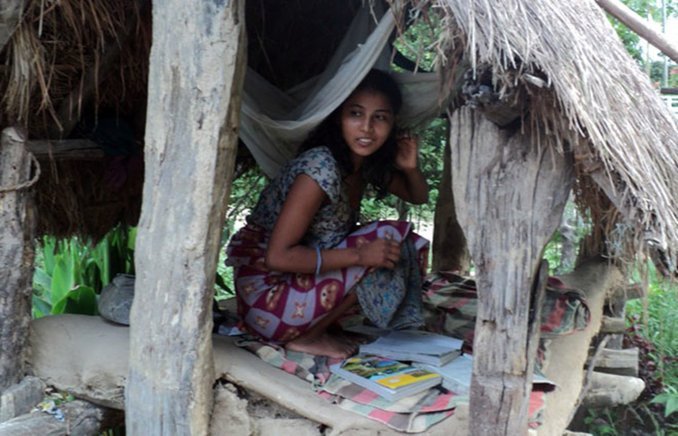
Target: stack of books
381 368
435 359
388 378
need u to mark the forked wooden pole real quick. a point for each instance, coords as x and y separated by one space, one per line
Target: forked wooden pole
509 196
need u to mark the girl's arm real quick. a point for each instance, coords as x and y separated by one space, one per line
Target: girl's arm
408 181
285 252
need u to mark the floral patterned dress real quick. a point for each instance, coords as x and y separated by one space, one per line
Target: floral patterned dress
280 306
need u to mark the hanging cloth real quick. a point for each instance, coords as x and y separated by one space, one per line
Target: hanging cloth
274 122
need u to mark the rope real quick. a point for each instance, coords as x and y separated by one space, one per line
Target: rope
27 184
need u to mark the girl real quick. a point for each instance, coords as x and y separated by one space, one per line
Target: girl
300 262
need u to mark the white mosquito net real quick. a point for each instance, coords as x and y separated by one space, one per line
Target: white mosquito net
274 122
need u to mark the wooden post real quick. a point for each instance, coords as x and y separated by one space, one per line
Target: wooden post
197 68
450 252
510 195
17 232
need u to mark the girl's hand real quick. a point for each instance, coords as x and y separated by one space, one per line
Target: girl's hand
408 146
380 253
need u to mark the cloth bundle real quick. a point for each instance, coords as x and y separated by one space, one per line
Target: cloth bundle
451 303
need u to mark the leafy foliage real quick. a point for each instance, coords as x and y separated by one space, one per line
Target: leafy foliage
69 274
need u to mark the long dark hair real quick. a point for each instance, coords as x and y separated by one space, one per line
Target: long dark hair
377 168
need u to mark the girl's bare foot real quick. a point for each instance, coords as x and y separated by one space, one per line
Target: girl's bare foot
323 345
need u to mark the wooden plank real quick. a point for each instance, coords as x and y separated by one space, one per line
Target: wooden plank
613 325
197 68
620 362
17 232
10 13
510 195
609 390
67 149
80 418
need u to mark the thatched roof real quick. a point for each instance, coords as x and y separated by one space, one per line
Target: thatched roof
594 99
578 83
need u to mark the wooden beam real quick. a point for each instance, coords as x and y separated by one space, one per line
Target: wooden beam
197 69
67 149
17 232
624 14
510 195
10 14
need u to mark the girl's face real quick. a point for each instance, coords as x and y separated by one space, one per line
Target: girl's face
366 122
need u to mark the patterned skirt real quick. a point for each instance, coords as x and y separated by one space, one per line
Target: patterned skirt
280 306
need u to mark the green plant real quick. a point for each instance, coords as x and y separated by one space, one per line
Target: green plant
652 328
669 399
600 423
70 273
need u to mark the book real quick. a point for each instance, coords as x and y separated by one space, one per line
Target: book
457 375
415 346
388 378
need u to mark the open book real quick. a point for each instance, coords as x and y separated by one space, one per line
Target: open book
457 375
388 378
415 346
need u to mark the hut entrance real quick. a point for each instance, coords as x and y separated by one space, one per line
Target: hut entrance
518 135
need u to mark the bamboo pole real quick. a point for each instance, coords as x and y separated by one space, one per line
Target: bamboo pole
621 12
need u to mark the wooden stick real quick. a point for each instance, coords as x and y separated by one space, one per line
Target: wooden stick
621 12
69 149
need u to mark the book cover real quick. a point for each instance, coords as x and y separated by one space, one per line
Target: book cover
388 378
416 346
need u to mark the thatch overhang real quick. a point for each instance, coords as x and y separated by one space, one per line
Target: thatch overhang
561 59
588 95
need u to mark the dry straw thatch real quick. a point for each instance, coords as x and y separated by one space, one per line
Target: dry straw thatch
56 46
60 50
580 87
595 101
